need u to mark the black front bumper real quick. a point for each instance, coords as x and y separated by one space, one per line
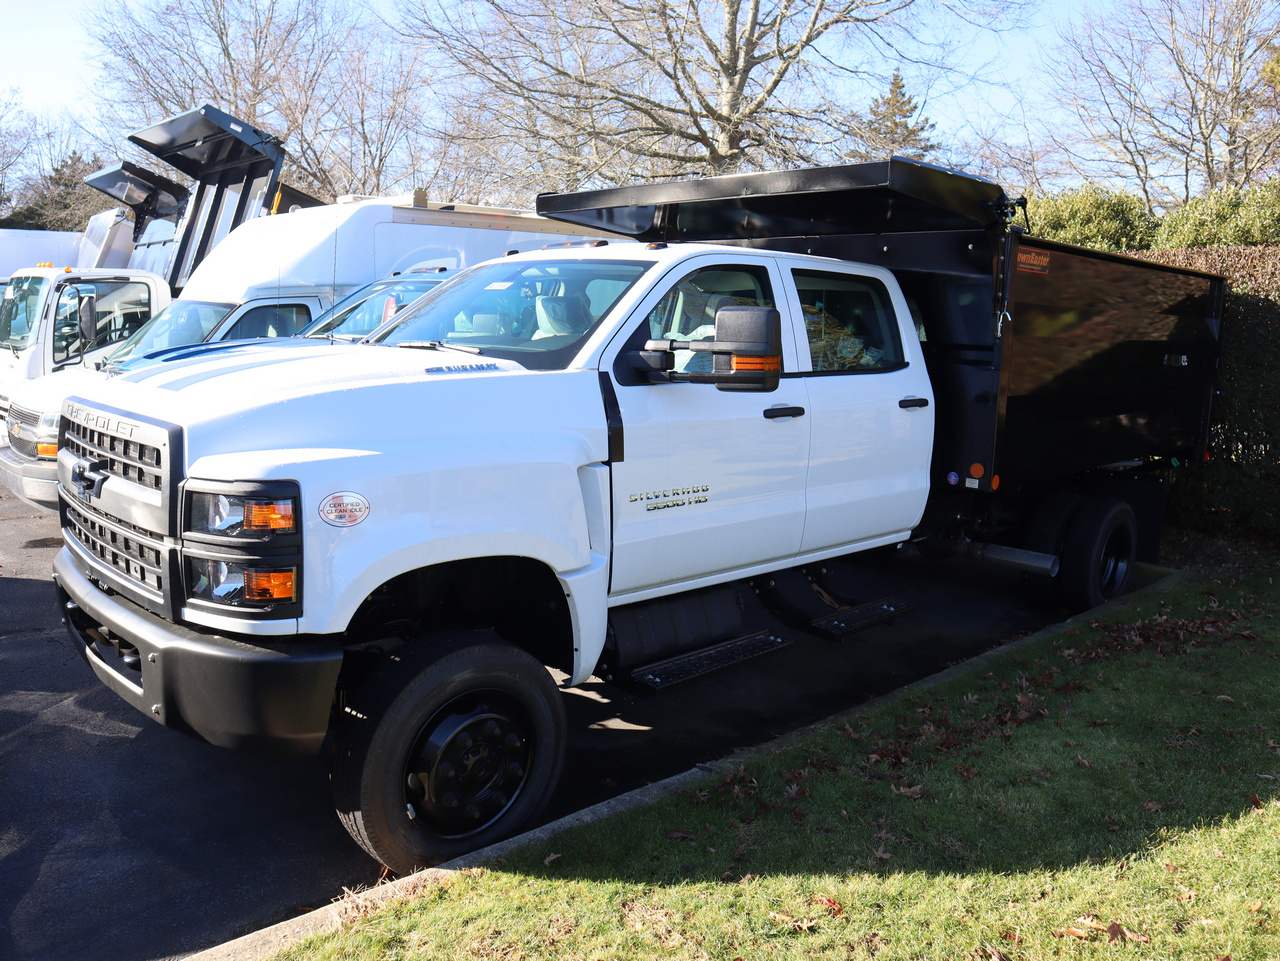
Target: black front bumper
262 694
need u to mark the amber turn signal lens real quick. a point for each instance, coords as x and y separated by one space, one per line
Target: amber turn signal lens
772 362
46 450
268 585
268 515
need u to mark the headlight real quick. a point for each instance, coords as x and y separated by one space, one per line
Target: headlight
231 516
47 435
242 584
242 548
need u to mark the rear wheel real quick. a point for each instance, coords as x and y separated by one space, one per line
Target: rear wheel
1099 553
451 745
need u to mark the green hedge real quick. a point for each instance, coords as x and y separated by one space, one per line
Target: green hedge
1238 489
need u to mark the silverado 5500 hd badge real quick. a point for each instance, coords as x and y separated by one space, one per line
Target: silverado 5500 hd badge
673 497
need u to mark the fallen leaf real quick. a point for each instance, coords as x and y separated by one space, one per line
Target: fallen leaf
1171 867
549 858
1082 762
1117 932
1254 802
831 904
1072 932
904 791
1012 936
881 853
685 835
1089 921
1153 805
1255 908
742 849
795 924
883 835
1187 895
1223 697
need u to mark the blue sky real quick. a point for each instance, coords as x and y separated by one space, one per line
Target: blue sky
48 59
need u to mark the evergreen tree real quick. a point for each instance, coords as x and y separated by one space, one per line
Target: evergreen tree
893 125
59 199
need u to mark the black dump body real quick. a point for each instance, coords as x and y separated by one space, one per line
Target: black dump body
1047 360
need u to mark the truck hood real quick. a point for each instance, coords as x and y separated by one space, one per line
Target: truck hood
165 355
308 401
45 395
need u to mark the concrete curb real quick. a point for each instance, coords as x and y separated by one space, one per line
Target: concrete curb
264 943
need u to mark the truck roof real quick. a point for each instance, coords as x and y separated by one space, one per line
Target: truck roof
893 196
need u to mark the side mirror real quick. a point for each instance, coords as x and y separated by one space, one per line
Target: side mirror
746 353
88 320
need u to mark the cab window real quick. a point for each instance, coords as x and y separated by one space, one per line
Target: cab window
688 310
849 322
270 320
121 308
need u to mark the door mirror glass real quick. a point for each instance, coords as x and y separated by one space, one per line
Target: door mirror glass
88 320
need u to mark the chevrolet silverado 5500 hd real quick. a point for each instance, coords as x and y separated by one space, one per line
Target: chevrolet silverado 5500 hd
621 460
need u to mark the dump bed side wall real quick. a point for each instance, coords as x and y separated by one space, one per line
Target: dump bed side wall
1108 359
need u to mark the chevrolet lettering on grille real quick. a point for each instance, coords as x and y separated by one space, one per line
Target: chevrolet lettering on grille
102 422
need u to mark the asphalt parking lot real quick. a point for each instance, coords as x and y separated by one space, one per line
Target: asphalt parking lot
122 841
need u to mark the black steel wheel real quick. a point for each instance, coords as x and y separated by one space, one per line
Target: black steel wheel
1099 553
450 745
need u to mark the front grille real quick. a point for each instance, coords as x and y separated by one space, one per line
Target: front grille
26 447
22 416
140 463
121 546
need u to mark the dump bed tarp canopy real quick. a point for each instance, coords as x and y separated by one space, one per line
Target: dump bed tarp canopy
205 142
892 196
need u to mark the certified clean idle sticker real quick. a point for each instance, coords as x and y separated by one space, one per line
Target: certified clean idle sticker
344 509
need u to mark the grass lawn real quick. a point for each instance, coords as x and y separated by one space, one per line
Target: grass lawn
1110 791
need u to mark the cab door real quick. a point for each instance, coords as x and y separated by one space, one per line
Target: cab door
709 482
871 406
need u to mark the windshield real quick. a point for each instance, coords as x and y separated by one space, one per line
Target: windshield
20 310
182 322
536 313
368 308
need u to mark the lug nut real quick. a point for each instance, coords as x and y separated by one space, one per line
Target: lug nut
513 741
473 812
464 740
491 729
445 769
450 800
515 770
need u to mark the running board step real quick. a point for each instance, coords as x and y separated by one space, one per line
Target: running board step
654 677
861 617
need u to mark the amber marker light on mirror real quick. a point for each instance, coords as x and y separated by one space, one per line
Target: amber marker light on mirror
757 363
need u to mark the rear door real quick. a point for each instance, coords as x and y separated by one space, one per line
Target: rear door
870 406
709 482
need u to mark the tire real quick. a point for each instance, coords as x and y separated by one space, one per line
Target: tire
452 744
1046 533
1099 553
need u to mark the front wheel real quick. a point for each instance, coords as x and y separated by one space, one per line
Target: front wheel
449 745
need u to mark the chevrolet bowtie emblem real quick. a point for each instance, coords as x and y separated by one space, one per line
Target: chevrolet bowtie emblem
88 478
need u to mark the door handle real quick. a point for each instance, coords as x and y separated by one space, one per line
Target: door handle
775 412
907 403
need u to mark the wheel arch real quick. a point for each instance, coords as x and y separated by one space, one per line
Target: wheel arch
520 598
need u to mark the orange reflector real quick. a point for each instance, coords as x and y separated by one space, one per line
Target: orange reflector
268 515
269 585
976 470
772 362
995 482
46 450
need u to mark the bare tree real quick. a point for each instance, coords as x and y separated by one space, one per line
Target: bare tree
1173 95
16 134
324 75
615 90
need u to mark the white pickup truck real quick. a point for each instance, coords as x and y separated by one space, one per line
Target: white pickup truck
620 460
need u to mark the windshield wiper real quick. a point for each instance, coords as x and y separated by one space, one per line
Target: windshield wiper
439 345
